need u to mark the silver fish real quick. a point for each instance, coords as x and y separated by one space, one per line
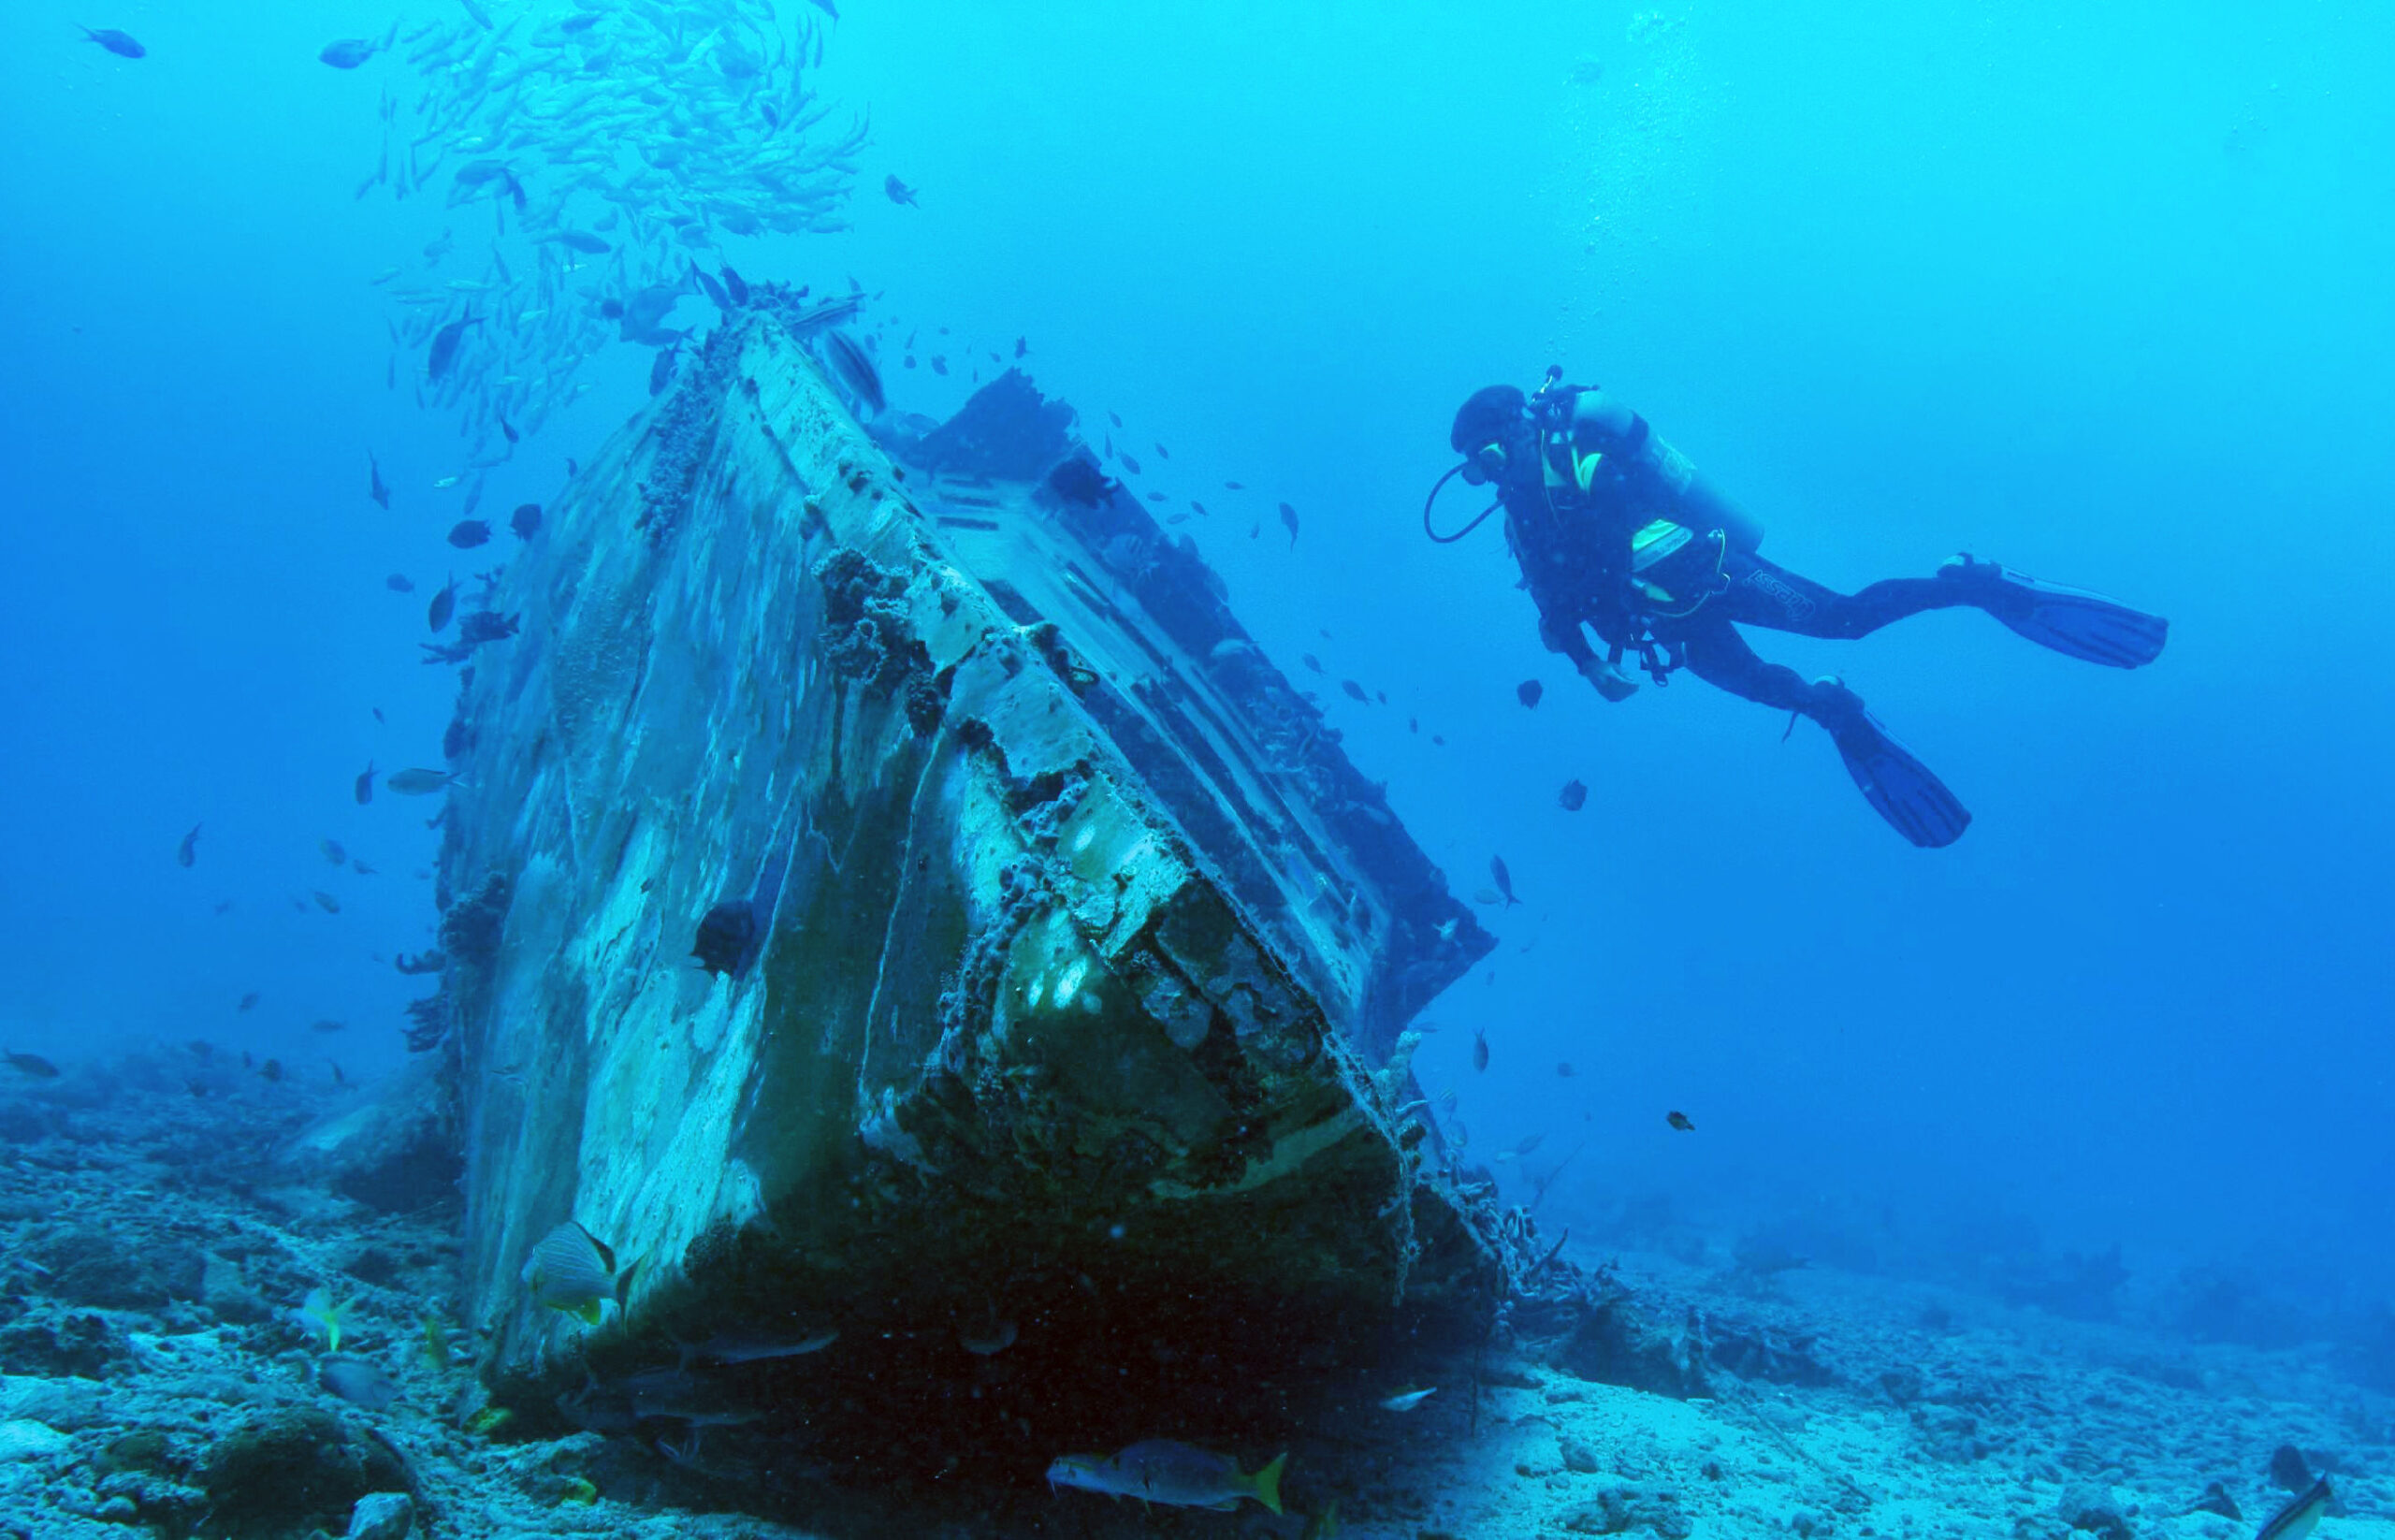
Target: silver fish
738 1350
1178 1475
856 370
2301 1515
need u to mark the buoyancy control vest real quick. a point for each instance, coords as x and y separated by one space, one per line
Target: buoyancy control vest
1676 528
1581 450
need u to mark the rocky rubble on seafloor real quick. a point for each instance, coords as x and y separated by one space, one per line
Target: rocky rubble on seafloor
160 1373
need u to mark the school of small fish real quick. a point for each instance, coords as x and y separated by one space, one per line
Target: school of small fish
592 156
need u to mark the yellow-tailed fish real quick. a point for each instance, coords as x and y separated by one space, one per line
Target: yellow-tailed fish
574 1272
322 1313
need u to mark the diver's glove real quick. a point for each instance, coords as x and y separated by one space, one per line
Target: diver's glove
1611 682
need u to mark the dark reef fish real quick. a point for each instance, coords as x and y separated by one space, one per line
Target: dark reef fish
357 1382
248 1000
443 355
1529 691
1289 522
325 901
399 583
661 371
479 626
364 789
443 605
32 1065
350 53
642 321
525 520
376 487
717 293
1680 1120
856 370
188 851
727 937
1503 878
899 191
1080 483
480 173
1573 796
1480 1048
734 287
416 783
467 533
122 44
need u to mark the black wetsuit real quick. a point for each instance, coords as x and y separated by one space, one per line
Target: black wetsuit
1572 527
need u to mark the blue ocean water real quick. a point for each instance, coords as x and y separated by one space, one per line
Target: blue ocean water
2096 291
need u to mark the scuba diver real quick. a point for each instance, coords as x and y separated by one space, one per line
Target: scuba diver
1616 532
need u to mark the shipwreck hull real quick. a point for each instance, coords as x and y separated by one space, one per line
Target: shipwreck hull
1052 950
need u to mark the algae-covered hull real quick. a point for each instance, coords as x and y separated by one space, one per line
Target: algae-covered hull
1047 949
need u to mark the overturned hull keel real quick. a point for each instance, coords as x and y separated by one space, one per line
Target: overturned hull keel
901 903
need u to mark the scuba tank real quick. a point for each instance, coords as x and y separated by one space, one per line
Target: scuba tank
1696 502
1633 452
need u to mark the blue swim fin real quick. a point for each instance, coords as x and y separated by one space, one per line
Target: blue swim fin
1898 787
2071 621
